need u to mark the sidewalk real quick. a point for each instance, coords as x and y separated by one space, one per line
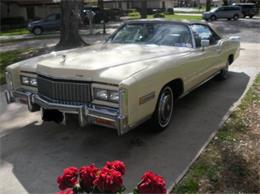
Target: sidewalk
48 42
98 29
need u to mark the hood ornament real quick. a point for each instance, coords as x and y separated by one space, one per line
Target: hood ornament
64 57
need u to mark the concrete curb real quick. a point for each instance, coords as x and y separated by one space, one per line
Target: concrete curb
226 116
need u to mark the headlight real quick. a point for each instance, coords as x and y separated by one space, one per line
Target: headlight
101 94
114 96
106 95
29 81
25 80
33 82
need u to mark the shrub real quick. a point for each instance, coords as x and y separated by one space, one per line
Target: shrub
159 15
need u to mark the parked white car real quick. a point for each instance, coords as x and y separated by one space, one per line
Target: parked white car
136 75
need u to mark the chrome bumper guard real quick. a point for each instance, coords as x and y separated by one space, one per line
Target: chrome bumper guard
88 114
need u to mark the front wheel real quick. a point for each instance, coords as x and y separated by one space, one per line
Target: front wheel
213 18
37 31
164 109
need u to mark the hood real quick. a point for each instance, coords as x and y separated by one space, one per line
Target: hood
105 63
35 22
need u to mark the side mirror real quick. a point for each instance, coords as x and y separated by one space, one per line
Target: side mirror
204 43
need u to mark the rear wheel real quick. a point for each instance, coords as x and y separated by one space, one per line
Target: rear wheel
164 109
235 17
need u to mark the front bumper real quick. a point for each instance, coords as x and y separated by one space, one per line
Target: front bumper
87 114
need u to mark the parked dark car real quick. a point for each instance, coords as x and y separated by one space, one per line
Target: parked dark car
99 15
50 23
248 9
227 12
152 11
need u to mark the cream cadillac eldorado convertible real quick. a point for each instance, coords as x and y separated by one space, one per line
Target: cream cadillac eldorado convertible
136 75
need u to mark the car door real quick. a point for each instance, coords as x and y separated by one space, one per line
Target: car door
220 12
206 58
52 22
229 12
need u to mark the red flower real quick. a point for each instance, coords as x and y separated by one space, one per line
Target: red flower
67 191
116 165
87 175
69 178
151 184
109 181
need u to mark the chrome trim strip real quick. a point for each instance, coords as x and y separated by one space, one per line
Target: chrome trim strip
200 84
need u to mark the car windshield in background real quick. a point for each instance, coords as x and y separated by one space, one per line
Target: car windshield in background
214 9
177 35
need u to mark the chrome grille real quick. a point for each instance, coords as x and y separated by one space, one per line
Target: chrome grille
64 91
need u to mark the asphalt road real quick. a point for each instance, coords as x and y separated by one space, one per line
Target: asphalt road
34 153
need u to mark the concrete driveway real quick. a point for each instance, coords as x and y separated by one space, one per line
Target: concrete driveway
34 153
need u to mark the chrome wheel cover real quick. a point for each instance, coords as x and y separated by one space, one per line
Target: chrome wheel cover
165 107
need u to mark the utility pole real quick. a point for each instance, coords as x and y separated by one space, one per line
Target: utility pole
144 9
101 6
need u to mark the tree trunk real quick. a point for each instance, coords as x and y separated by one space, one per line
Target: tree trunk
70 21
225 2
144 9
208 5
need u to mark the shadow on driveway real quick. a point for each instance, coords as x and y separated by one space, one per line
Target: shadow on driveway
39 153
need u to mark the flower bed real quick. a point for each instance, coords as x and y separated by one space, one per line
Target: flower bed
109 179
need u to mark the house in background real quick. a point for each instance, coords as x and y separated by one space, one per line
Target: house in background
28 9
137 4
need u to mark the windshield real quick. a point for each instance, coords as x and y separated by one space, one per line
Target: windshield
168 34
214 9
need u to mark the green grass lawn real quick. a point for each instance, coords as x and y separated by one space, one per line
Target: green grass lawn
230 163
10 57
19 31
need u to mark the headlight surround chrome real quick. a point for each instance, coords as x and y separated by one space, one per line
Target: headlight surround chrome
29 81
106 95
